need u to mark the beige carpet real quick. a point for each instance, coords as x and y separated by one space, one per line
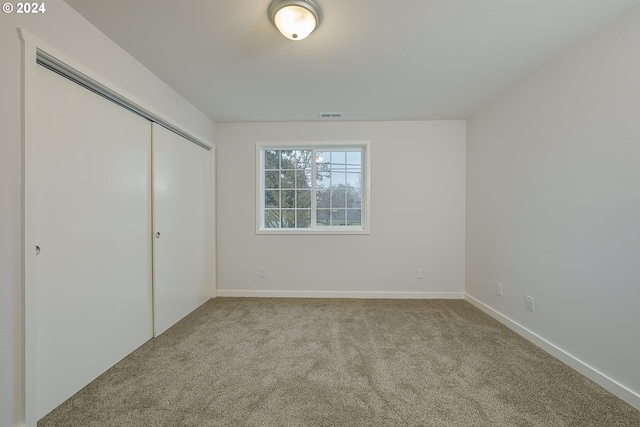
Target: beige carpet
331 362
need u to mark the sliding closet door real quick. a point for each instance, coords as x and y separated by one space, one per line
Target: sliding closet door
93 229
182 227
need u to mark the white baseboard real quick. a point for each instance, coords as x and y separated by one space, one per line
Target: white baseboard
340 294
594 375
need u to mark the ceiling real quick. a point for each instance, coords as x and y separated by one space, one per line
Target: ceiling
369 59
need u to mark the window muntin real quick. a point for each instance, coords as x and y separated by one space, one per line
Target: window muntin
319 188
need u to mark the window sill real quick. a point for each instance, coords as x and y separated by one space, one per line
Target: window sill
290 231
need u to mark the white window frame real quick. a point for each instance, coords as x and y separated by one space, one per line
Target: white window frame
365 146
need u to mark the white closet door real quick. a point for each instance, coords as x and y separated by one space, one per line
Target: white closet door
182 226
93 226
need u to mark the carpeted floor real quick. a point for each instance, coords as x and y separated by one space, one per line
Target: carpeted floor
333 362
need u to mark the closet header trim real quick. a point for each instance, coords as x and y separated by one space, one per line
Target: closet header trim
59 67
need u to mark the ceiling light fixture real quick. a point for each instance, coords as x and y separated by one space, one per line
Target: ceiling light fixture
295 19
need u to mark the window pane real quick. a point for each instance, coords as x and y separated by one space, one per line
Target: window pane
338 197
323 158
323 199
272 199
338 160
354 159
288 218
354 217
288 198
288 179
287 159
338 217
303 217
354 200
303 179
353 180
323 179
304 199
338 179
323 217
271 219
272 179
303 159
272 159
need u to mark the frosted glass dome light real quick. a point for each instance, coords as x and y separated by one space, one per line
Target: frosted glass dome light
295 19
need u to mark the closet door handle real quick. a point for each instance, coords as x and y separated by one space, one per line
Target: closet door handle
37 250
157 234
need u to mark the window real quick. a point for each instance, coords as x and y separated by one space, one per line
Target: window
318 188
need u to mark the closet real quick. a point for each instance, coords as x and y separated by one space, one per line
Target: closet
123 233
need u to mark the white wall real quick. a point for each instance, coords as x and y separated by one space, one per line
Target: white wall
417 215
64 30
553 203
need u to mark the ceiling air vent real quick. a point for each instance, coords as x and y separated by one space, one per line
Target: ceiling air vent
330 115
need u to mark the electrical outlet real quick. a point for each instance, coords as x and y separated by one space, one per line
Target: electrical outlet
529 303
420 273
499 289
263 273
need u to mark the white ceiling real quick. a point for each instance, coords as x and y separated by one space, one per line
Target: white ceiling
369 59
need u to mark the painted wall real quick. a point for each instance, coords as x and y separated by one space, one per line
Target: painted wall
417 215
553 203
65 30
